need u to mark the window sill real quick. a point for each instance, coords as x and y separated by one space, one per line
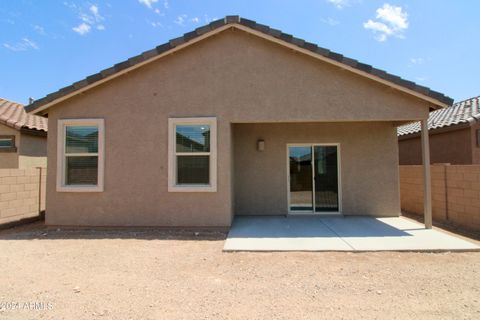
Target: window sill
191 188
79 189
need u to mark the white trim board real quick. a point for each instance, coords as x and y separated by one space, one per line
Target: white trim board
172 155
61 127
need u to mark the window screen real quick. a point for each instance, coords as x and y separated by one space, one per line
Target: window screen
81 155
192 154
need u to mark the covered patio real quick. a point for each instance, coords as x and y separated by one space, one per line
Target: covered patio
338 233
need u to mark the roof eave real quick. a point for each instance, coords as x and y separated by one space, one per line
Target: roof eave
452 127
10 124
341 65
41 107
437 100
34 132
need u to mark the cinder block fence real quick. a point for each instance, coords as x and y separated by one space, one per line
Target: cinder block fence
22 193
455 193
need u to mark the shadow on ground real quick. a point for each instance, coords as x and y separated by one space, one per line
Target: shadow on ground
38 231
312 226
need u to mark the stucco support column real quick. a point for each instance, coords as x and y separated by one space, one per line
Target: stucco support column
427 181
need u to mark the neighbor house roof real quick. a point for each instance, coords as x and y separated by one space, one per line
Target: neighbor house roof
437 99
13 114
463 112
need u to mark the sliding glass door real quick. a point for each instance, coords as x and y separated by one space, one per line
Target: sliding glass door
313 178
325 178
301 184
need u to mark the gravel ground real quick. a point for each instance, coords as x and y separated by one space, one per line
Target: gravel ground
115 274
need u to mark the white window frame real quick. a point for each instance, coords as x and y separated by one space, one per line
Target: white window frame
172 154
61 141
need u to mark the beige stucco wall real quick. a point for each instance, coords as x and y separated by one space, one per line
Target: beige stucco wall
453 147
9 160
32 151
369 166
233 76
475 146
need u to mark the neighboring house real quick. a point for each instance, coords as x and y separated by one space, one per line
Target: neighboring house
233 118
454 136
23 137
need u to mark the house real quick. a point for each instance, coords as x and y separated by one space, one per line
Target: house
23 137
233 118
454 135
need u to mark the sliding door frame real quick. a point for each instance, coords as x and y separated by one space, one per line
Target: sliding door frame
339 178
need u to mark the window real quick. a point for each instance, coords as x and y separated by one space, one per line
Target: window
80 155
7 144
192 163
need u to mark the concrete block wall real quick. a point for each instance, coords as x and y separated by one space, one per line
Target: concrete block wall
22 193
455 193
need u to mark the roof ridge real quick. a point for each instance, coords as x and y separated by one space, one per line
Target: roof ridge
330 56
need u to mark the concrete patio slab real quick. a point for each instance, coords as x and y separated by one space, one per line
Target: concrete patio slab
396 234
338 233
282 234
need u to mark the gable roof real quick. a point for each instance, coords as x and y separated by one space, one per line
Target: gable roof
13 114
463 112
436 99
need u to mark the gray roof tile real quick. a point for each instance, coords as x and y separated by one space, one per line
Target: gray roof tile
247 22
149 53
164 47
218 23
298 42
364 67
95 77
232 19
286 37
274 33
203 30
136 59
322 51
177 41
190 35
262 28
108 72
310 46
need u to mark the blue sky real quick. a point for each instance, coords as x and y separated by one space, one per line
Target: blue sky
46 45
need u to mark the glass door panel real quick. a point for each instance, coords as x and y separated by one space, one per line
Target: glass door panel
301 184
325 178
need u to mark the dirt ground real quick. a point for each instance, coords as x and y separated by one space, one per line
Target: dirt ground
115 274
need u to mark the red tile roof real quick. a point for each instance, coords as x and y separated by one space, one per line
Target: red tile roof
467 111
13 114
